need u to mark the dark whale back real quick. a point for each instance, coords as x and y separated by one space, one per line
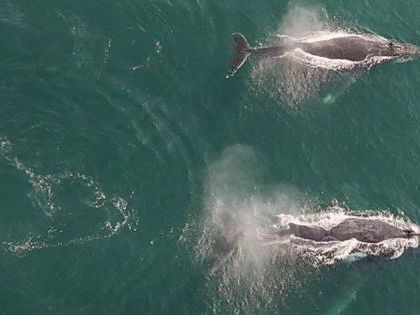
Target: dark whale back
364 230
353 48
314 233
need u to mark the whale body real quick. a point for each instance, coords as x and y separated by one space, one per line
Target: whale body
354 48
363 230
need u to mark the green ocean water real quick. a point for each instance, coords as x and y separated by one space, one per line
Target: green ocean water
121 141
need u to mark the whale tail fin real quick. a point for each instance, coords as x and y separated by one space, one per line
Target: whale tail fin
242 52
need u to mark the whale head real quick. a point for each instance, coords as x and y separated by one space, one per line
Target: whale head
402 50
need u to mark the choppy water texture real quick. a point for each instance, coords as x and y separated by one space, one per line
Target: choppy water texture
125 154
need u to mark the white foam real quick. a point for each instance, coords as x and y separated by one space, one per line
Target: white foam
336 64
318 36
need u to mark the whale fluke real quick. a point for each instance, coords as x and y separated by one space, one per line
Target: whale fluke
242 52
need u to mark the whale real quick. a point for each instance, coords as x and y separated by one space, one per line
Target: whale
323 239
345 48
361 229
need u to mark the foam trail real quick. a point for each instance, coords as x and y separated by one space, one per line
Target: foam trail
62 221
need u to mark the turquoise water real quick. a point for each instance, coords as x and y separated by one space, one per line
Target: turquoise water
121 143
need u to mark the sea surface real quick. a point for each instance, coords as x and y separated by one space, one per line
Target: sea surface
125 154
